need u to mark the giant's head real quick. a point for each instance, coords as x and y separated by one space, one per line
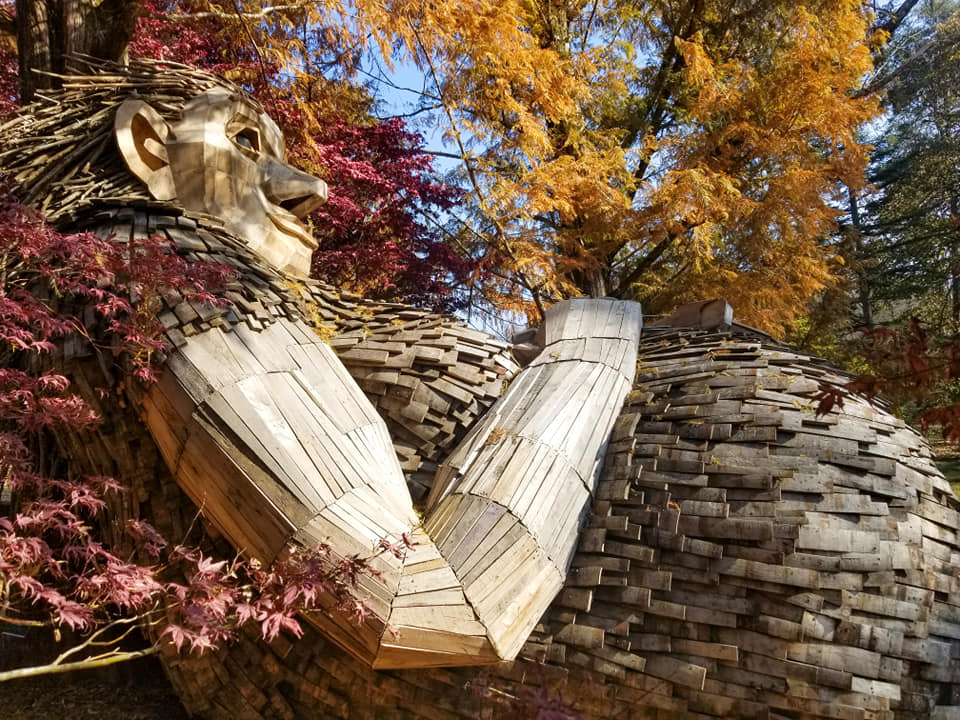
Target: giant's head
163 135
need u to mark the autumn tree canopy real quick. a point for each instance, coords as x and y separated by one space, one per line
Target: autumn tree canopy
666 151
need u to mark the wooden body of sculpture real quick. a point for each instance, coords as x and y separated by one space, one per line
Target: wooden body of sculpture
270 435
741 556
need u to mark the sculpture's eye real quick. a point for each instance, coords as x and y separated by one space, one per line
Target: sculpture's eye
248 139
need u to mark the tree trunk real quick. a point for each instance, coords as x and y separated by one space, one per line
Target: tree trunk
863 277
50 31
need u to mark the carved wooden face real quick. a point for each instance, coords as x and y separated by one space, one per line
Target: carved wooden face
224 157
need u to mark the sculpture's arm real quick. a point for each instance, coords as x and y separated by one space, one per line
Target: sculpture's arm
507 506
269 433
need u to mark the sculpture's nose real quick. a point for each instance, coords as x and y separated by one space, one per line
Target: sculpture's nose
294 191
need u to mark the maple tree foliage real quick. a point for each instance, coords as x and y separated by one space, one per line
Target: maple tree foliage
54 568
371 239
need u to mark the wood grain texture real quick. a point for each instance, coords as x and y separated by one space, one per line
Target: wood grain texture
671 615
523 477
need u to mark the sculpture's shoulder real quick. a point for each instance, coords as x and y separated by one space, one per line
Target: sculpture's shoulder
254 293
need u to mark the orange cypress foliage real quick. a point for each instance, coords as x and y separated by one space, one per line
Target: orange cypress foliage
666 151
773 140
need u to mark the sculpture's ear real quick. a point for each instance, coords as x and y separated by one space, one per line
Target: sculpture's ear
142 138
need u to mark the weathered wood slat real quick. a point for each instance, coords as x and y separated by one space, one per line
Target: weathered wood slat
330 452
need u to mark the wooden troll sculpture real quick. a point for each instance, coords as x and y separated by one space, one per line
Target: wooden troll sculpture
651 522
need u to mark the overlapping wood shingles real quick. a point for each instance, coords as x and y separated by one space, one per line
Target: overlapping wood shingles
750 558
693 594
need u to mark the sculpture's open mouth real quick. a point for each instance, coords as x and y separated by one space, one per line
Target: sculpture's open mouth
303 205
289 224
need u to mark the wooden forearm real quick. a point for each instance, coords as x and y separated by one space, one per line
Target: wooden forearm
507 506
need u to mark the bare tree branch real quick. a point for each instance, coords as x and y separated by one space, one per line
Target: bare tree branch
879 82
110 658
103 637
214 14
414 113
892 20
533 289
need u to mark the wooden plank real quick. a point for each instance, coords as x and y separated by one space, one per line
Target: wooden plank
513 616
234 504
166 411
481 530
430 598
725 528
439 579
529 458
561 519
443 516
324 471
860 662
472 508
252 401
485 588
454 619
676 671
324 377
210 356
580 636
413 647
